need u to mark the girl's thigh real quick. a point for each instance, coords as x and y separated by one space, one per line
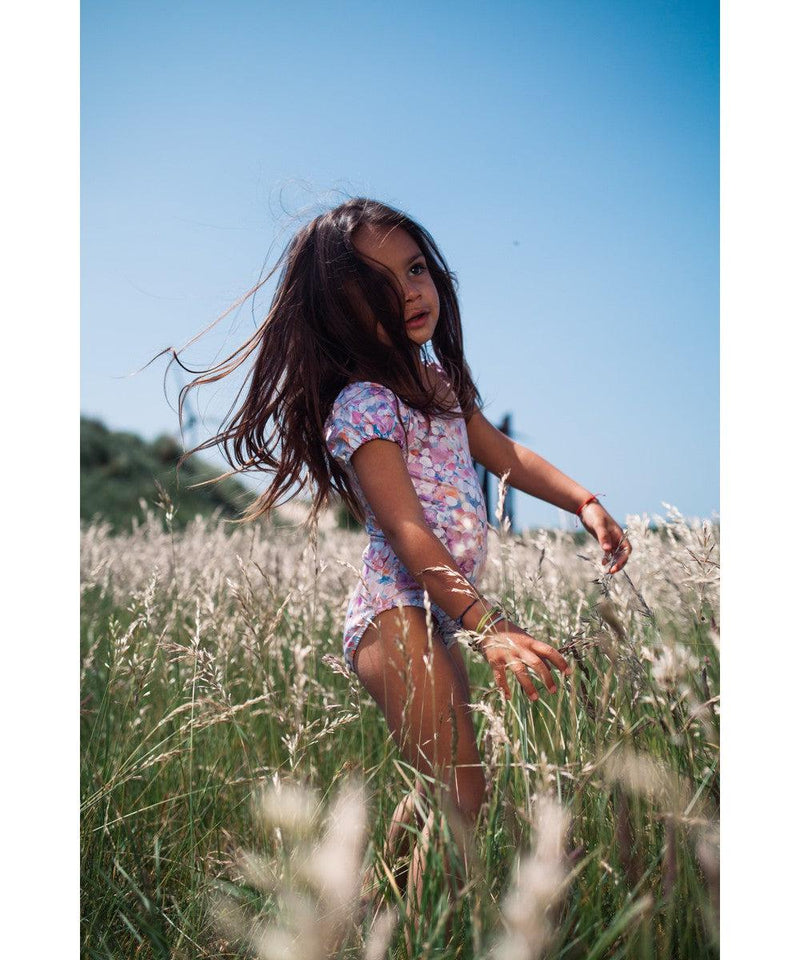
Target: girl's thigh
457 656
423 691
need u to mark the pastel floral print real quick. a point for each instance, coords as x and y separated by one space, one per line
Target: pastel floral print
440 466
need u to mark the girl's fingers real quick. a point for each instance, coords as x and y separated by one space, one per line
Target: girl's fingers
540 667
620 555
619 562
605 541
521 660
532 662
547 652
521 673
502 681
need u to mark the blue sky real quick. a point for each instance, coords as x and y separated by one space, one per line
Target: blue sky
564 155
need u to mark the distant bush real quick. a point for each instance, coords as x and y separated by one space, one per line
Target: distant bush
344 519
119 470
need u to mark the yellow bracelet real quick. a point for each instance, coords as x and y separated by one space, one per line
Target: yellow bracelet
484 620
500 616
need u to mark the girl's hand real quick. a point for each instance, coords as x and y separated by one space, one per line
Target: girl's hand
608 533
509 646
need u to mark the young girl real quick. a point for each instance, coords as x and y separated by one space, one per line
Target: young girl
342 388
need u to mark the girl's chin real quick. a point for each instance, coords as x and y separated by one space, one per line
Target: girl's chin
421 335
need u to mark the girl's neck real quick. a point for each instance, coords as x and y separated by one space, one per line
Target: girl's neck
426 374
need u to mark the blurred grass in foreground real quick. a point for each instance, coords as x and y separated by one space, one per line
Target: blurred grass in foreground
213 689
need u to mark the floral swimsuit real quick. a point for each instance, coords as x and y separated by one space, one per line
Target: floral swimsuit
440 466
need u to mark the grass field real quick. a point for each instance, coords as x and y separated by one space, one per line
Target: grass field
236 783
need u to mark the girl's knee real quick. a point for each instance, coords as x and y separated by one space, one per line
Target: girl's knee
461 791
470 789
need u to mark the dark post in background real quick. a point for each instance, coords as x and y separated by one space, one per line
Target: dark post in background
489 484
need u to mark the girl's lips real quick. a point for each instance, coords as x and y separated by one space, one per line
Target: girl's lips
418 319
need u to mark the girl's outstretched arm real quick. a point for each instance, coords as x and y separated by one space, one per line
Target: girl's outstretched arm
532 474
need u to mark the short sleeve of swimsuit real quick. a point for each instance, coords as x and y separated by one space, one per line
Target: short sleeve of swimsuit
362 412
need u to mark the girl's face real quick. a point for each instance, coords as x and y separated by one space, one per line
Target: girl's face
396 251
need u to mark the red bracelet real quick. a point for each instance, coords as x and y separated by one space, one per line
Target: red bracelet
582 507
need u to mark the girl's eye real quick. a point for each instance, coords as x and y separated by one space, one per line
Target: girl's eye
421 267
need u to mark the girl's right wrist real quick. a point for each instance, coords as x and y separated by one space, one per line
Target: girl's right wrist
483 618
475 613
492 622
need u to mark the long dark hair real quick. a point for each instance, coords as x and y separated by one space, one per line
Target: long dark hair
316 338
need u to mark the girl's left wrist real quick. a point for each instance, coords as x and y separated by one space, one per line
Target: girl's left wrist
586 500
592 512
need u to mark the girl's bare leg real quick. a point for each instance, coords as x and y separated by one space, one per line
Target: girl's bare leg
423 691
398 845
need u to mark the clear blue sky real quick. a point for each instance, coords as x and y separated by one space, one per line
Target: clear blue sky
563 154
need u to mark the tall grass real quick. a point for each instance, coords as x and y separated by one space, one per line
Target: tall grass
237 783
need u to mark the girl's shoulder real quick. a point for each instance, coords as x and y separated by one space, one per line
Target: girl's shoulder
360 391
367 394
362 397
364 411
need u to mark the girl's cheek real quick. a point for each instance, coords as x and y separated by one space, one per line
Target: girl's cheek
435 298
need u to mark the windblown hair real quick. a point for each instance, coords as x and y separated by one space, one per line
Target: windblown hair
320 334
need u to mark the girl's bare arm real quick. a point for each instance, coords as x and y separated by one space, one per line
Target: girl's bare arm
530 473
533 475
